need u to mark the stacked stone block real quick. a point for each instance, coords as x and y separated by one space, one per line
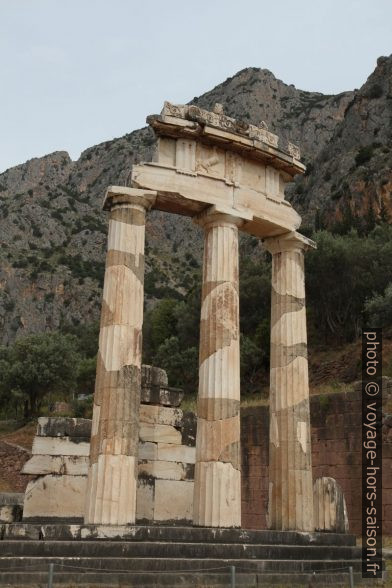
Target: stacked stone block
60 458
166 450
166 465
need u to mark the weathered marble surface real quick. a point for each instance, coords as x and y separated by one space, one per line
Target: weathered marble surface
64 427
290 462
206 158
217 492
173 500
330 511
60 446
111 491
74 465
159 433
55 496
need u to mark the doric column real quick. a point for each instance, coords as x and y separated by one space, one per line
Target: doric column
290 457
112 477
217 493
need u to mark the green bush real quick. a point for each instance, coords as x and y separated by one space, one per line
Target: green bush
364 155
379 308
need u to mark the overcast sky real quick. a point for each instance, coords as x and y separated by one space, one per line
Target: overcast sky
74 73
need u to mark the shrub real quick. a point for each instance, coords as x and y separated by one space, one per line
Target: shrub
379 308
364 154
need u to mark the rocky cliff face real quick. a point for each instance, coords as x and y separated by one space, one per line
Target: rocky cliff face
53 232
349 182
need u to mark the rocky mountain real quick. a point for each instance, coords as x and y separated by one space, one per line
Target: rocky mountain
349 182
53 232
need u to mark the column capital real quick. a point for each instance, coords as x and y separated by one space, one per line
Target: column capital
219 215
291 241
123 195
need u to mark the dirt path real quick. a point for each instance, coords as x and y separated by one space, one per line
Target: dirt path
12 459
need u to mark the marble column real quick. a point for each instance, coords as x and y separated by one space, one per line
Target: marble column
290 458
112 477
217 490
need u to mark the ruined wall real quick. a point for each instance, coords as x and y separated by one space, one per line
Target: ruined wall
60 458
254 449
336 451
167 455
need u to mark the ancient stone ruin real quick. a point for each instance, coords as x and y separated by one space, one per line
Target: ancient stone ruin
141 459
165 467
227 175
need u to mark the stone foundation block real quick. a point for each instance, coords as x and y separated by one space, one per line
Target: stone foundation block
64 427
55 496
181 453
148 450
159 433
153 376
166 470
164 396
173 500
72 465
161 415
145 500
60 446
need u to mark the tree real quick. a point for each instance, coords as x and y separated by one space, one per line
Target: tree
379 309
181 364
38 365
251 355
162 323
87 337
86 375
342 274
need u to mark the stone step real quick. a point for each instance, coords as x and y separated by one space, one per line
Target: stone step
171 549
185 580
164 564
177 534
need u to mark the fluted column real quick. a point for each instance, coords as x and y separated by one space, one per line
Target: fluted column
290 457
217 490
112 477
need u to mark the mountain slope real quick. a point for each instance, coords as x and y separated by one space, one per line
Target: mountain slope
350 179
